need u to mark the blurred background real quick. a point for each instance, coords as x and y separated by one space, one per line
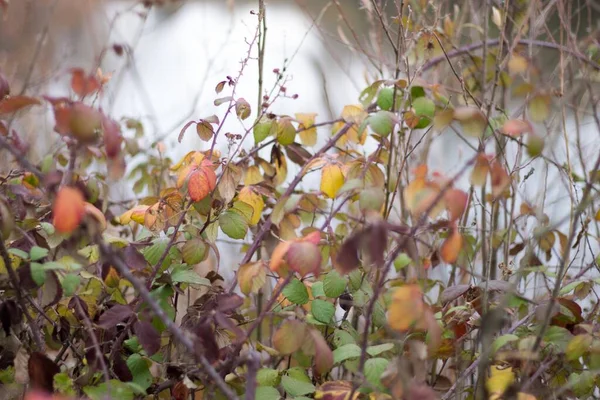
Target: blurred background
164 62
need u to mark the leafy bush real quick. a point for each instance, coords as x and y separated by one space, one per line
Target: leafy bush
336 295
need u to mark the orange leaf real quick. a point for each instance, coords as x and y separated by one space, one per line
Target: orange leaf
500 179
83 84
451 246
95 213
12 104
480 171
277 258
68 209
407 308
456 202
201 182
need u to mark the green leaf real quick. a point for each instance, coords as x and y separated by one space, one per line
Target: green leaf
139 368
322 310
69 283
233 224
194 251
416 92
18 253
153 253
183 273
118 390
262 129
317 290
374 368
558 336
64 384
295 387
37 253
267 393
378 349
133 344
424 107
296 292
38 273
402 261
578 346
501 341
385 99
346 352
267 377
342 337
382 122
334 284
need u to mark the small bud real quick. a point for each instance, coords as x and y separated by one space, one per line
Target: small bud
295 96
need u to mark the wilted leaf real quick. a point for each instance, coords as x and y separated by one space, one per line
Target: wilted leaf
289 337
68 209
347 257
205 130
252 277
242 108
336 390
148 337
114 315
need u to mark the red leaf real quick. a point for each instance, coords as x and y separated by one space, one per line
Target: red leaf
347 257
304 258
83 84
201 182
68 209
114 315
12 104
516 127
112 137
41 372
500 179
148 337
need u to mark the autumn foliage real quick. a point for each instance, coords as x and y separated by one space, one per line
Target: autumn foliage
366 271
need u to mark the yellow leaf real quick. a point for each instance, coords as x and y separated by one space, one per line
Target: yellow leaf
407 308
191 158
253 176
252 277
308 136
332 180
354 113
248 196
500 379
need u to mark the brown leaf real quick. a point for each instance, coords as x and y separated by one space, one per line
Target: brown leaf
121 369
9 315
114 315
11 104
51 290
112 137
229 302
134 259
336 390
206 343
347 258
377 243
323 354
289 337
148 337
453 292
78 306
4 86
180 391
41 372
